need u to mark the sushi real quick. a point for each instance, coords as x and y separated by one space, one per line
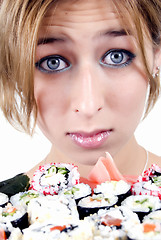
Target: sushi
142 204
52 208
22 199
92 204
18 217
49 231
4 199
16 184
69 210
149 182
144 231
78 191
7 231
113 223
54 177
120 188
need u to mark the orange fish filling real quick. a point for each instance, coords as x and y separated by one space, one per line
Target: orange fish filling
148 227
111 221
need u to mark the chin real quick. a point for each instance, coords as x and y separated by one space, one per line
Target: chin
88 157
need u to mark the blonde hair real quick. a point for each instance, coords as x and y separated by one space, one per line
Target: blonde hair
19 25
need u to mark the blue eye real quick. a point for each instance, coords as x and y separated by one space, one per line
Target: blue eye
52 64
117 58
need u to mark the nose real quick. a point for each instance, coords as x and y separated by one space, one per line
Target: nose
88 93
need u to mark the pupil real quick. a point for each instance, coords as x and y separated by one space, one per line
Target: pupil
53 63
117 57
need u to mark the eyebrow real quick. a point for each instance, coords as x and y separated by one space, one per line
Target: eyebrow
117 33
48 40
110 33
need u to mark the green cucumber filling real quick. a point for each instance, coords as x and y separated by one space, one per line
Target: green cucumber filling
29 196
54 170
71 191
100 197
145 203
157 181
142 201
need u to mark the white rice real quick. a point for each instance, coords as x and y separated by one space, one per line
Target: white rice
113 187
3 198
103 202
143 203
55 208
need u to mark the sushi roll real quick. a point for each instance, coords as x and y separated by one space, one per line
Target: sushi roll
3 199
18 217
52 208
14 185
142 204
54 177
120 188
16 234
122 214
49 231
7 231
144 231
146 188
112 223
149 182
92 204
153 217
110 234
22 199
78 191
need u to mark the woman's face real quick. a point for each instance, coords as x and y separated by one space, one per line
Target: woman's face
90 85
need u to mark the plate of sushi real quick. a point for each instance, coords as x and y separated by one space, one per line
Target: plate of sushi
56 205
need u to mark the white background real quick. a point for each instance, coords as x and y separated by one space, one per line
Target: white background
20 152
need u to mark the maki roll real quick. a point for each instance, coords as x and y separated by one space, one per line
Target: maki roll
78 191
7 231
14 185
110 224
153 217
52 208
142 204
22 199
92 204
18 217
118 217
149 182
3 199
45 231
54 177
144 231
120 188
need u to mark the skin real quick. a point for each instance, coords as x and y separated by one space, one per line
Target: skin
91 92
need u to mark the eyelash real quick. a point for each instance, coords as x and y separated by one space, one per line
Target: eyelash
127 58
53 59
62 64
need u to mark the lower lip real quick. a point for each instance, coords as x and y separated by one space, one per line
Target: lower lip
90 142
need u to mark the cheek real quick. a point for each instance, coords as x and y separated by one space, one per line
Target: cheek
131 101
51 99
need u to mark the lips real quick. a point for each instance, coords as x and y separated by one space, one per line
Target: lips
90 140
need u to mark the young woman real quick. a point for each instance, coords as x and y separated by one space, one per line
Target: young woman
86 71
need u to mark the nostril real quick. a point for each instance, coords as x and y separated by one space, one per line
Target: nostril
99 109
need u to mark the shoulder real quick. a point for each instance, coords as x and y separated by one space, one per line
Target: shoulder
154 159
30 173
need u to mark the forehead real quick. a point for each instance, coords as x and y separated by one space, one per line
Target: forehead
70 8
81 14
